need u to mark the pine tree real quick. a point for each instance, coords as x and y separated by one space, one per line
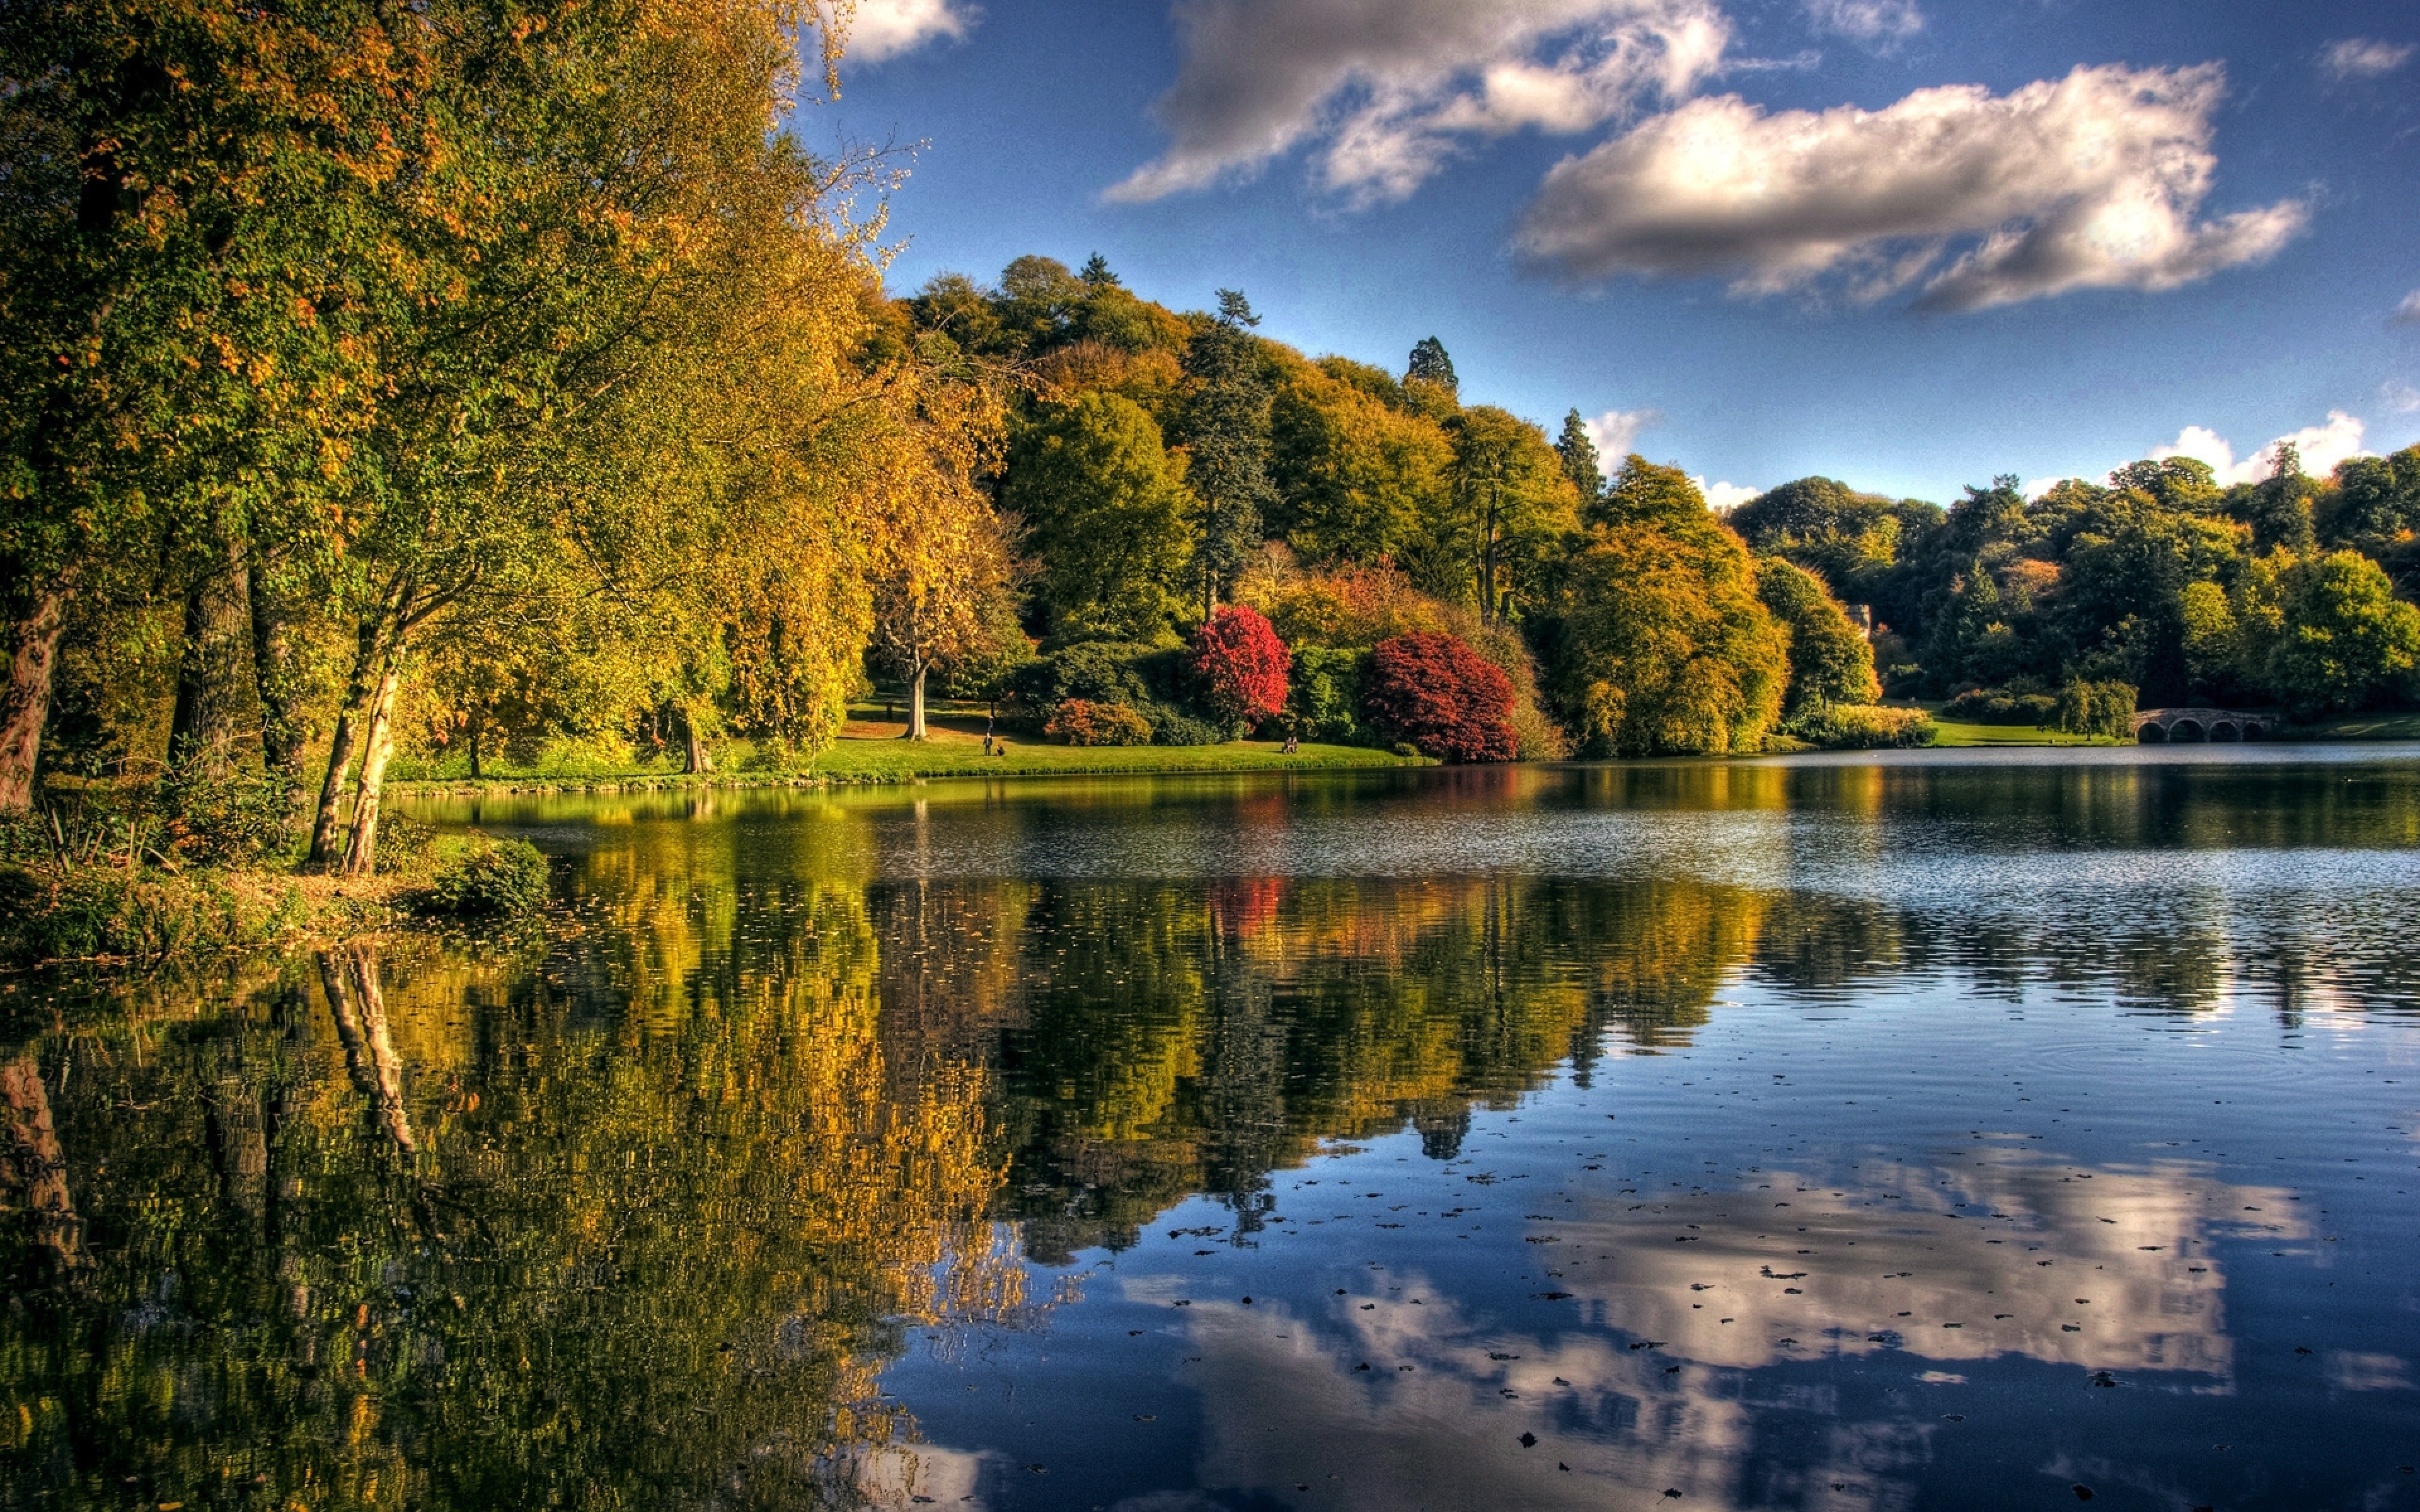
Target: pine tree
1581 464
1227 436
1096 273
1429 364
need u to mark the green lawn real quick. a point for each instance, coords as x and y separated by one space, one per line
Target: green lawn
890 761
2400 726
1961 736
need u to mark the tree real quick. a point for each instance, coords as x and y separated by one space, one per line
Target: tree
1665 646
1355 478
2280 512
1581 464
1110 515
1830 660
1438 694
1226 436
1429 364
2326 633
1241 665
943 561
1505 511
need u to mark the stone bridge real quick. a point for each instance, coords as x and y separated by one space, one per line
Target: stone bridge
2156 727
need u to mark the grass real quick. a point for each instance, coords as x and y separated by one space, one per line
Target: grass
869 750
1953 735
2388 726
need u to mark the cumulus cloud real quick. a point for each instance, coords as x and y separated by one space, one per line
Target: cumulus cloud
1616 431
887 28
2363 57
1391 89
1724 496
2322 446
2092 181
1873 23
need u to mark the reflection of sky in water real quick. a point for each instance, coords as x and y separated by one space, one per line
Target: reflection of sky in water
2040 1121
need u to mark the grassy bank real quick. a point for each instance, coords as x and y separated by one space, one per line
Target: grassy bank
1954 736
869 750
142 915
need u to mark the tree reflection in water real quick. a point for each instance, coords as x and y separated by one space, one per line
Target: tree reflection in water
641 1215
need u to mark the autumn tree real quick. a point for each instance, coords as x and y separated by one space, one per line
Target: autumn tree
1241 665
1439 695
1357 476
1665 645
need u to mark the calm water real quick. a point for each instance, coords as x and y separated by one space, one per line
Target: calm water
1969 1132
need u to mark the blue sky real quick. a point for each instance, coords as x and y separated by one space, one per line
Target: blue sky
1901 242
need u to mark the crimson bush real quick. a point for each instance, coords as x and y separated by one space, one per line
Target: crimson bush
1242 665
1442 697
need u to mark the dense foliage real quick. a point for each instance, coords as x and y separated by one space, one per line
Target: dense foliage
1241 663
1433 693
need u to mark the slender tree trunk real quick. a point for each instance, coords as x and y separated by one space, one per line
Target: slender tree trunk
377 744
476 724
916 730
25 703
351 720
273 673
208 726
700 760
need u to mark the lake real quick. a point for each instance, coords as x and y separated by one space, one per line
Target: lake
1933 1130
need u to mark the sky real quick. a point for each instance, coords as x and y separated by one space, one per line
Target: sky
1905 243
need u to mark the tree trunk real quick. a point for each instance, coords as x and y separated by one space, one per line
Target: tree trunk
25 703
377 744
476 723
207 727
916 703
273 673
351 719
700 760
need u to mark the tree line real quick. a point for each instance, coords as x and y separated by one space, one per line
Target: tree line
454 380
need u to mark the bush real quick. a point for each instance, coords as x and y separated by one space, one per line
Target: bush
2097 709
1240 665
1435 693
1171 726
1325 701
1084 722
490 878
1096 671
1993 705
1863 727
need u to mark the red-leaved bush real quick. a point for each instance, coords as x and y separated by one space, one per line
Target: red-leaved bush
1083 722
1242 665
1442 697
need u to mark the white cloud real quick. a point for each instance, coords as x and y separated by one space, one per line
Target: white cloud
1873 23
1723 495
2401 397
2089 182
887 28
1616 432
2363 57
1391 88
2322 446
2408 313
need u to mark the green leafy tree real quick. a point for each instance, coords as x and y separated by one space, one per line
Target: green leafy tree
1665 646
1502 518
1356 477
2325 633
1830 660
1110 515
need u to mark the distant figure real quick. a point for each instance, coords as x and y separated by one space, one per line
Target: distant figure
1294 742
987 724
1004 749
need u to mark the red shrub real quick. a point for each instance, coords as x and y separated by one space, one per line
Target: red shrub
1442 697
1242 665
1081 722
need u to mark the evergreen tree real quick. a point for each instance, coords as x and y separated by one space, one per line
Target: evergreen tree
1226 436
1581 464
1096 273
1429 364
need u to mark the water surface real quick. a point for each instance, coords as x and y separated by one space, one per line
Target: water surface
1981 1130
